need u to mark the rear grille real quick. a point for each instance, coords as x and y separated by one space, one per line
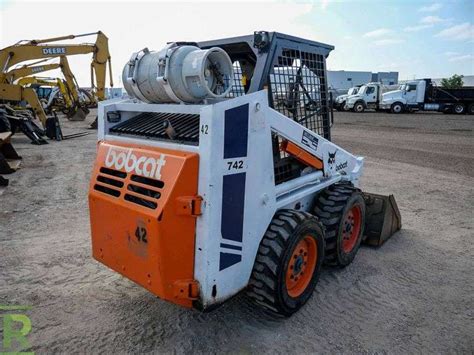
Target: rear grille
110 181
147 181
112 172
140 190
141 201
107 190
144 191
170 126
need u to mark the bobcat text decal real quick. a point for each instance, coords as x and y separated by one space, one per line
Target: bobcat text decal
341 166
332 162
123 158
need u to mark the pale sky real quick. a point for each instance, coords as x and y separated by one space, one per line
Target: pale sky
416 38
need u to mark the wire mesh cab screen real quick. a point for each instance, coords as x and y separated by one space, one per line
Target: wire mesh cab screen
297 88
292 69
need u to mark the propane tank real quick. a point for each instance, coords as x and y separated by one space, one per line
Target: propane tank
178 74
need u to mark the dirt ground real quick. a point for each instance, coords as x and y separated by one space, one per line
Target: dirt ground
414 294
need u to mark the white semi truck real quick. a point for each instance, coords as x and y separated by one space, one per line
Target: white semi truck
340 101
424 95
369 96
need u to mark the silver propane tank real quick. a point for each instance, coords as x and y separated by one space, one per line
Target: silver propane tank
178 74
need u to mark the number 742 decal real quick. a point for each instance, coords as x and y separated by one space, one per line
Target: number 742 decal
235 165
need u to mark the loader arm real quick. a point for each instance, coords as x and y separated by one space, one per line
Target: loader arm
332 158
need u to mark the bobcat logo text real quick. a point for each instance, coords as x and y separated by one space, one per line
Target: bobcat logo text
123 158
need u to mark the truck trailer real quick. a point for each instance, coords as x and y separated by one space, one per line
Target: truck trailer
424 95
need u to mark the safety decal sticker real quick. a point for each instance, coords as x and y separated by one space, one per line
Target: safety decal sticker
309 140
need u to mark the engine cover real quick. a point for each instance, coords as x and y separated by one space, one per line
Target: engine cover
143 207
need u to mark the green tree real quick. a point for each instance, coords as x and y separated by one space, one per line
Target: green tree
454 82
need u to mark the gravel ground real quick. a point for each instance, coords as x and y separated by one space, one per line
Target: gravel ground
414 294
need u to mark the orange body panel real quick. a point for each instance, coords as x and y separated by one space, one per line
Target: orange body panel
302 155
138 230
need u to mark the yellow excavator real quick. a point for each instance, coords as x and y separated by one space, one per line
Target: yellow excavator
80 98
65 104
48 48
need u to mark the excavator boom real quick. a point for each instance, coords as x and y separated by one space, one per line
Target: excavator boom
27 70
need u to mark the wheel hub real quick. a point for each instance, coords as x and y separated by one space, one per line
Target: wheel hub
351 228
301 266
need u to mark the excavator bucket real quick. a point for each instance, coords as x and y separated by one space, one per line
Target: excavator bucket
9 158
78 114
382 219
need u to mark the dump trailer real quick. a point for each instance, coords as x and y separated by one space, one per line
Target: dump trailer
218 175
424 95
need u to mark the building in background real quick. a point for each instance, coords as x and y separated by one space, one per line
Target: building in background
386 78
341 80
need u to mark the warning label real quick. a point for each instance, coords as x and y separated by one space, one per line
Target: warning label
309 140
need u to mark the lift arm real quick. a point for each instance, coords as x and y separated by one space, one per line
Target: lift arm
315 150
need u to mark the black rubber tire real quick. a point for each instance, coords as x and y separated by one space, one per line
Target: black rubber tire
397 107
331 206
358 107
267 285
470 109
459 109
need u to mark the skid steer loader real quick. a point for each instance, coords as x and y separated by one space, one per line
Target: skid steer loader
219 175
